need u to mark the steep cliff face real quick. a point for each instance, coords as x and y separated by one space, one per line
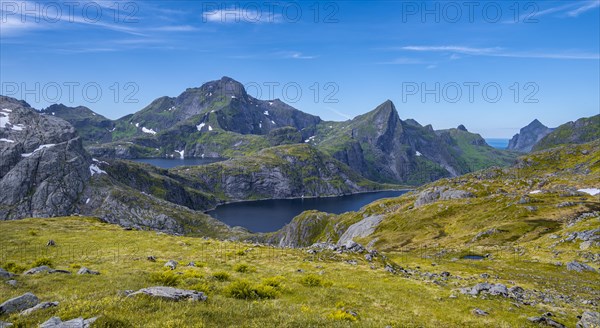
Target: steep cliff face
528 136
43 167
46 172
581 131
278 172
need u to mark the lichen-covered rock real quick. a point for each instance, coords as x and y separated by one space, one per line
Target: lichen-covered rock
19 303
170 293
55 322
171 264
5 274
589 319
84 270
40 306
579 267
39 269
429 196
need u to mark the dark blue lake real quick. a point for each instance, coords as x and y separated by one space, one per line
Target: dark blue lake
272 215
497 142
168 163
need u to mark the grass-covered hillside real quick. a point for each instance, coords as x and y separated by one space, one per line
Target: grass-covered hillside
581 131
529 202
250 285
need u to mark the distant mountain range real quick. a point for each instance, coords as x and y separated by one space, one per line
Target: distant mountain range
219 119
64 161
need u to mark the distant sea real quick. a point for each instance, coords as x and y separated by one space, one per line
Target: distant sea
497 143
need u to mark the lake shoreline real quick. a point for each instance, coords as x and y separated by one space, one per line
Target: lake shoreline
309 197
269 215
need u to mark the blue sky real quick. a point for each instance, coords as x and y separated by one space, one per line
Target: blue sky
542 56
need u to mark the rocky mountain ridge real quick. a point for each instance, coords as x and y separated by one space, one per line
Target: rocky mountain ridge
528 136
219 119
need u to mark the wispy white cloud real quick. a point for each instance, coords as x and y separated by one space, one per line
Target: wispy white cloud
240 15
501 52
569 9
403 61
294 55
453 49
14 26
175 28
586 7
275 55
344 115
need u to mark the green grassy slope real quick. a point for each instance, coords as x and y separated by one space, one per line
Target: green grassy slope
304 290
578 132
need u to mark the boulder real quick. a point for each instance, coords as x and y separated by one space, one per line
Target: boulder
5 274
352 246
543 320
477 311
171 264
40 269
579 267
589 319
4 324
55 322
19 303
499 289
85 270
12 283
40 306
484 287
170 293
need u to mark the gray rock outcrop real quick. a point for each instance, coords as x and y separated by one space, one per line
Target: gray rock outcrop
43 166
361 229
39 269
579 267
19 303
170 293
85 270
429 196
589 319
56 322
40 306
5 274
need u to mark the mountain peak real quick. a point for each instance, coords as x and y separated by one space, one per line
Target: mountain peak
226 86
535 124
462 128
528 136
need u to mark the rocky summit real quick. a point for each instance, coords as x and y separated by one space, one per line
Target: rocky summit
528 136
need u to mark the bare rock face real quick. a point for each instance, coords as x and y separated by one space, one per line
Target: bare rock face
360 229
43 166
